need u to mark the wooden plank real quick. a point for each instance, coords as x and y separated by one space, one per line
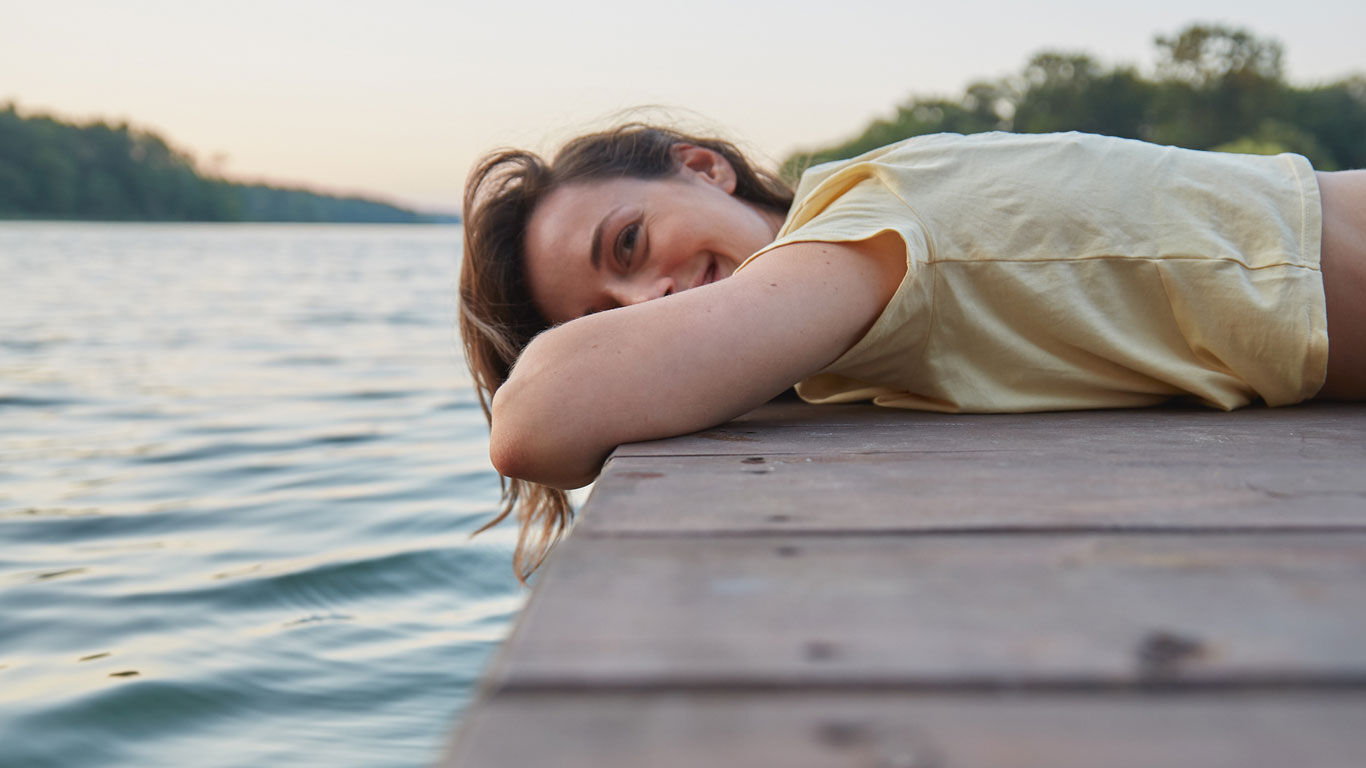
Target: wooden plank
791 412
1247 485
981 610
900 730
1311 431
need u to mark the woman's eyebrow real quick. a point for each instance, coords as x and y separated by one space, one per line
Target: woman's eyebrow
595 252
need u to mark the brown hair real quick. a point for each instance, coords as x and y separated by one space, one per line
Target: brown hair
497 316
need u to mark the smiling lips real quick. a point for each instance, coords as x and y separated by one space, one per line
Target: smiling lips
708 275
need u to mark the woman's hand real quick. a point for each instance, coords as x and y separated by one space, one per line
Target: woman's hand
687 361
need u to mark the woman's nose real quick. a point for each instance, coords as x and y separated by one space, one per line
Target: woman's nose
638 291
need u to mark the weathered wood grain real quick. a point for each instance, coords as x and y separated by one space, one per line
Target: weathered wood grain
791 412
736 729
858 586
1244 485
1311 431
934 611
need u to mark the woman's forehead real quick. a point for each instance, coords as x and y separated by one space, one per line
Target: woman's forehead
579 206
562 225
559 240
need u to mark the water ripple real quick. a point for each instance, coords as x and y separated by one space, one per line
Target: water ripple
31 401
239 469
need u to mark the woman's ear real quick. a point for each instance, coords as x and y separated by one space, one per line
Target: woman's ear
706 164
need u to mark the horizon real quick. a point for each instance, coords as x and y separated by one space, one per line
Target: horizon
397 106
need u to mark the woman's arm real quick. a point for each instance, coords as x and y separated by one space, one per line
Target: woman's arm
1343 262
687 361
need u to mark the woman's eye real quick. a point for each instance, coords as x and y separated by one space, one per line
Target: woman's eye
626 244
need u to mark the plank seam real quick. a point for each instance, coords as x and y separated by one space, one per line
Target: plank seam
1037 531
1353 682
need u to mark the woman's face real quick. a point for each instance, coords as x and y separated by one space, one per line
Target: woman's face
597 245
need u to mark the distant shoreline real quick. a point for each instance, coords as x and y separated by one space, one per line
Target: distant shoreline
55 170
435 221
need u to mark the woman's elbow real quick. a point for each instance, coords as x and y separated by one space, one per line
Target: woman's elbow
519 448
524 460
507 443
506 455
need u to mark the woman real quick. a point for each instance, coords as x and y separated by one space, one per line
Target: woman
995 272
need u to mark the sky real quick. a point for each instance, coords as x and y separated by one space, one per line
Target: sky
398 99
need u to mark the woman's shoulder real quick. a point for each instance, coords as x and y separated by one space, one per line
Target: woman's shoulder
930 146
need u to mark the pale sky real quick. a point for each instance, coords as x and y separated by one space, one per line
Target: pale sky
397 99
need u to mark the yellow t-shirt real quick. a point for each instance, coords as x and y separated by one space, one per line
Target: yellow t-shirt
1068 271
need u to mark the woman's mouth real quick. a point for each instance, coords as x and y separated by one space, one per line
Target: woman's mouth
708 275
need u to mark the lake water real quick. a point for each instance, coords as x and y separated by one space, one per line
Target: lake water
239 466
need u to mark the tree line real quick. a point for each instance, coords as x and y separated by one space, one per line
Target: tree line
52 169
1215 88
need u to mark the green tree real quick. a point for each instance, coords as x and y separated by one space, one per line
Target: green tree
913 118
1216 87
53 169
1072 92
1217 84
1335 115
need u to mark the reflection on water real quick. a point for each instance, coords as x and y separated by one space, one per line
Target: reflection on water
238 469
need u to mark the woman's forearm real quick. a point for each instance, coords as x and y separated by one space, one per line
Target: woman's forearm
535 430
684 362
636 373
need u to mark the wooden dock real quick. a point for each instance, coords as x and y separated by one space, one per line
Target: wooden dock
854 586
